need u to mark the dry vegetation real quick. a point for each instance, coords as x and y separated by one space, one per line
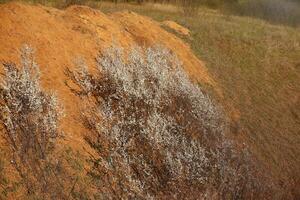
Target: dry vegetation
257 66
144 145
30 119
157 135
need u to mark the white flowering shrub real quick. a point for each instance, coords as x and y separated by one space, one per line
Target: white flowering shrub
30 120
155 131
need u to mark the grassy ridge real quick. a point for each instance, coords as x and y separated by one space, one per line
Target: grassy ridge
258 67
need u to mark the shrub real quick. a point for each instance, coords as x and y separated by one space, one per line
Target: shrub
155 132
30 119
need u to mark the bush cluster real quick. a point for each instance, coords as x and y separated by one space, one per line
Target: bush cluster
155 132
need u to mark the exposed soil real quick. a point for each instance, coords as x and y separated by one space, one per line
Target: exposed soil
177 28
61 36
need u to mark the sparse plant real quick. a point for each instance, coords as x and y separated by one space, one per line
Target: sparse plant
155 131
30 119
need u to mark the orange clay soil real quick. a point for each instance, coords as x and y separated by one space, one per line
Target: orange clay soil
177 28
61 36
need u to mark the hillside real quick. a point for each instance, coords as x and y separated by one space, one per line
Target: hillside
257 66
60 37
251 69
